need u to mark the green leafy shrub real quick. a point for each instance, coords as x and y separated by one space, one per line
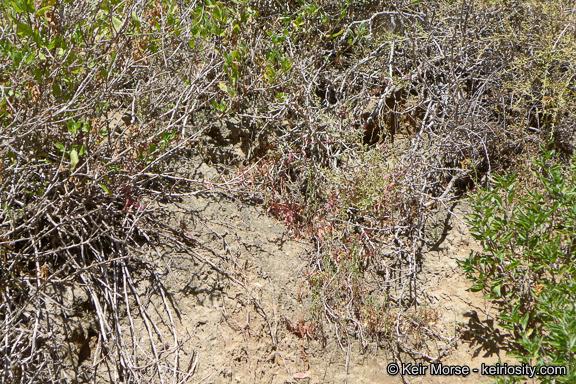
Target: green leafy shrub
527 261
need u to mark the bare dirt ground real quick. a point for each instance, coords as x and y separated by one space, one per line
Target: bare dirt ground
242 304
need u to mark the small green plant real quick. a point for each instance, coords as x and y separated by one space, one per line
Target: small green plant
527 262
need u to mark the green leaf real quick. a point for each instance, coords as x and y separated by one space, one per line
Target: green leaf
218 12
71 125
19 5
105 188
56 89
338 33
43 10
477 288
219 106
270 74
286 64
136 19
497 290
117 23
37 74
59 145
105 6
506 326
24 30
524 320
73 158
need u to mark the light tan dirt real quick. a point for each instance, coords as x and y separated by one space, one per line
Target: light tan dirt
232 322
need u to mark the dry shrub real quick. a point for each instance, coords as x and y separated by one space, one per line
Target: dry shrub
88 121
352 120
404 107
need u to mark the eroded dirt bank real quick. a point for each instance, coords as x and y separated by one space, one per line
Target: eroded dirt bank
243 307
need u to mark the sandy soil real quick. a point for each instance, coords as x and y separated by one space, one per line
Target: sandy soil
234 326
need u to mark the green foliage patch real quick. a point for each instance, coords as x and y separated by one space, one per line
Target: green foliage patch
527 265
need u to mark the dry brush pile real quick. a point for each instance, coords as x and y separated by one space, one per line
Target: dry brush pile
350 122
405 107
